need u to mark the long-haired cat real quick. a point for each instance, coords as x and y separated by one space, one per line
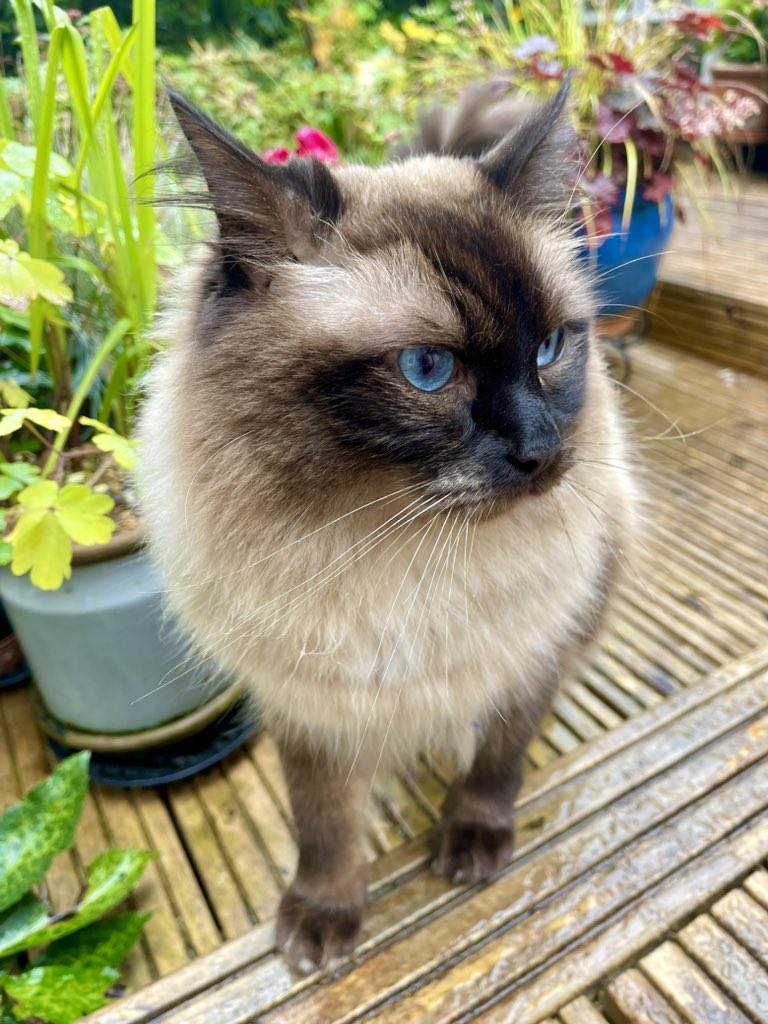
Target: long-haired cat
385 478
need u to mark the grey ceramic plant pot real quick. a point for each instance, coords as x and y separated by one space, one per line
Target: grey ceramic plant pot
104 655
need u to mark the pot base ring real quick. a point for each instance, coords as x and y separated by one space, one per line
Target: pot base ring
128 742
158 766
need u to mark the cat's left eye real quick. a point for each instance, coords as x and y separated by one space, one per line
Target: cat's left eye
428 367
551 349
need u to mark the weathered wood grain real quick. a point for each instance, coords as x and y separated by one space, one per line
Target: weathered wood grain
632 999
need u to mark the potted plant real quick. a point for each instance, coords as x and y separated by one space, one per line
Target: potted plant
740 64
78 270
647 123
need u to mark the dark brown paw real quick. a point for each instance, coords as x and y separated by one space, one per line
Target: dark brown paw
470 852
311 935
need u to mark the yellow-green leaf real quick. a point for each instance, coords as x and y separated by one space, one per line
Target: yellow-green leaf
24 278
13 394
108 440
123 450
49 419
102 428
83 514
42 495
16 286
41 547
13 419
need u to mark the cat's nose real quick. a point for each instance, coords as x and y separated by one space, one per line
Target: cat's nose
533 462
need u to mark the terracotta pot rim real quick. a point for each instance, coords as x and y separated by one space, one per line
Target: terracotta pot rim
122 542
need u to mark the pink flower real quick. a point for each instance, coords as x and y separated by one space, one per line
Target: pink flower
311 143
276 156
658 187
314 143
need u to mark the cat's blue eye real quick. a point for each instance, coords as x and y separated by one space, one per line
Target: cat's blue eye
428 368
551 349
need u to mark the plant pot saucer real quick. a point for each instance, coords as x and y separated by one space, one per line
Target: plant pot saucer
118 743
158 766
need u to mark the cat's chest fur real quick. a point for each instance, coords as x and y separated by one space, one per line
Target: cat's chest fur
411 637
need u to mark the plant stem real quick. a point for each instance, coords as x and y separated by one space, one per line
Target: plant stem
107 346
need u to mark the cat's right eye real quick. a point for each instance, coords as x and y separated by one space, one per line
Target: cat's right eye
428 367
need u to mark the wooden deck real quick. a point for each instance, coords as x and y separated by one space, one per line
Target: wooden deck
639 892
714 293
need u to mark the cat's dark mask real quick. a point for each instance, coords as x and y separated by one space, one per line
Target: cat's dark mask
431 318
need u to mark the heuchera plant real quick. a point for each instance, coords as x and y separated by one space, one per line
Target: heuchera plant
643 113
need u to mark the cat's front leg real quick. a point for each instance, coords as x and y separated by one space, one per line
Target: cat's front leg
322 911
476 837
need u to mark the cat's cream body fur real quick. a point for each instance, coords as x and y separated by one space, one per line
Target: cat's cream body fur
411 644
393 556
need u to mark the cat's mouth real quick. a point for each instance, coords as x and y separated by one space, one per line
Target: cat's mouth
488 496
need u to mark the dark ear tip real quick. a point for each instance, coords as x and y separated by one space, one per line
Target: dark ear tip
180 104
560 99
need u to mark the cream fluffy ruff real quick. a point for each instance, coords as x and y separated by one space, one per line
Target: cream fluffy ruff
374 653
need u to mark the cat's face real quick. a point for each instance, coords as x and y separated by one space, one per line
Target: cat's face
425 323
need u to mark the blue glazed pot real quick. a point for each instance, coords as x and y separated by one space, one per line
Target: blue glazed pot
627 265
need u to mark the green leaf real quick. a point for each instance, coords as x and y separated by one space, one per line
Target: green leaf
21 160
10 184
42 825
82 513
14 476
110 878
59 995
103 944
26 917
41 547
6 552
24 472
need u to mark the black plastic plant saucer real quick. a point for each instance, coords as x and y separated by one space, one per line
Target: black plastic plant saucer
161 765
15 677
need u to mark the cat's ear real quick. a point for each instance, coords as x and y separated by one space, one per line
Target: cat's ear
536 161
266 213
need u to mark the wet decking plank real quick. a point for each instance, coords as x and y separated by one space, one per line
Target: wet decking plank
686 630
712 763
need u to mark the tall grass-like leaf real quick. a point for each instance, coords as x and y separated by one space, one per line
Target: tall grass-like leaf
38 221
28 34
144 135
117 64
6 118
42 825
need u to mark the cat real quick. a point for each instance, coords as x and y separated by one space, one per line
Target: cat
385 476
